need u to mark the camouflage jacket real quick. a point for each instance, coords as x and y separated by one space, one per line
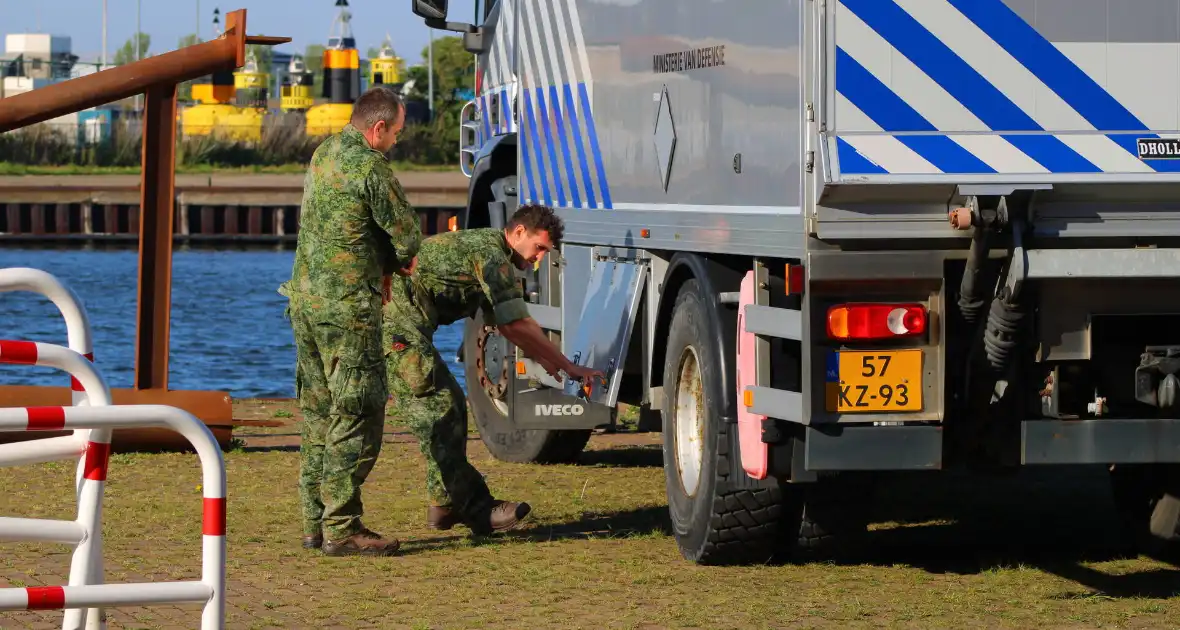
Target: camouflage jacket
460 271
355 223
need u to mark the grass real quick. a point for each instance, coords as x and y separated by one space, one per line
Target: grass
944 552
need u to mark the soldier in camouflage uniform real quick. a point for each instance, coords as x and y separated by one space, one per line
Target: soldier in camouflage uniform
355 227
457 273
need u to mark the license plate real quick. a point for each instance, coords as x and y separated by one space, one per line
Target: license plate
874 382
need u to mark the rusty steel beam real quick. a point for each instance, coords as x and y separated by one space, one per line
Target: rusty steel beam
157 190
225 53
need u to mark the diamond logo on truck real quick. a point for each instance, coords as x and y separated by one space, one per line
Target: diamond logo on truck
665 139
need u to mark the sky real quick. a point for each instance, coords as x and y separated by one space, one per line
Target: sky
169 20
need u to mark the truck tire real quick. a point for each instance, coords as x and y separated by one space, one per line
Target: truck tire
714 521
489 352
835 514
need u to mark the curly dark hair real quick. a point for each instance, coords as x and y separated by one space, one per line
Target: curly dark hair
538 217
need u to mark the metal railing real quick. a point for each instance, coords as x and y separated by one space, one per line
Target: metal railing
92 418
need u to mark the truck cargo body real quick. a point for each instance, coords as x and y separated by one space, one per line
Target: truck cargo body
815 240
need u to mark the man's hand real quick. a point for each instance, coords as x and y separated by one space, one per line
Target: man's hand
408 269
528 336
579 373
551 368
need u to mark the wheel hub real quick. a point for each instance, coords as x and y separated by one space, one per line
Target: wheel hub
492 364
690 425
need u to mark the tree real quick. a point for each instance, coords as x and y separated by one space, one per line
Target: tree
454 73
313 60
126 54
263 54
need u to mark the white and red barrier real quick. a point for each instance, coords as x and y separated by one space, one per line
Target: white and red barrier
78 336
210 589
92 420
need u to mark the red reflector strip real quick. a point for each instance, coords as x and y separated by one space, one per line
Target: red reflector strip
46 418
213 517
23 352
97 456
46 597
75 384
795 280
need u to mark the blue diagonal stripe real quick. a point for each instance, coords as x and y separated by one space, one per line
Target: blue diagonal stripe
593 133
505 119
528 171
852 162
485 114
1048 64
559 126
888 111
965 84
585 166
526 160
528 106
1045 61
557 183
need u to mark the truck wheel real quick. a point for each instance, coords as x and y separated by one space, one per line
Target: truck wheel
715 521
835 516
487 359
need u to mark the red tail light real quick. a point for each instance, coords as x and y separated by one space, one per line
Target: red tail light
478 81
876 321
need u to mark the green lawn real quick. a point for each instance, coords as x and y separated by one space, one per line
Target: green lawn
943 553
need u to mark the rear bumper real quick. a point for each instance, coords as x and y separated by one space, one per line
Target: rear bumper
1100 441
1042 442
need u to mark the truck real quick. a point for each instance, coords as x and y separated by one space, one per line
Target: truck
820 242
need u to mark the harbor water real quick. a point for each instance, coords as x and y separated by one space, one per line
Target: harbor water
228 332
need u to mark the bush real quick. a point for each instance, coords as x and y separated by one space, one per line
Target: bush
283 141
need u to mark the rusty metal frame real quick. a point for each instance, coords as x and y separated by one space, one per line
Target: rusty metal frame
156 78
157 191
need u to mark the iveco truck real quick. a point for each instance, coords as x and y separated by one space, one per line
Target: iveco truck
820 241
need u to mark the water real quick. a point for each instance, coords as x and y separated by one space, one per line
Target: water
228 332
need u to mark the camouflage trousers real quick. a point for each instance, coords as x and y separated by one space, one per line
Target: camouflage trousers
428 399
340 384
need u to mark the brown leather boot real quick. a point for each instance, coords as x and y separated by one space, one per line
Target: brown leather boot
365 542
438 517
314 541
501 516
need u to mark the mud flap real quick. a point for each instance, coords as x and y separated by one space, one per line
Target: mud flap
535 406
604 326
601 338
754 453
